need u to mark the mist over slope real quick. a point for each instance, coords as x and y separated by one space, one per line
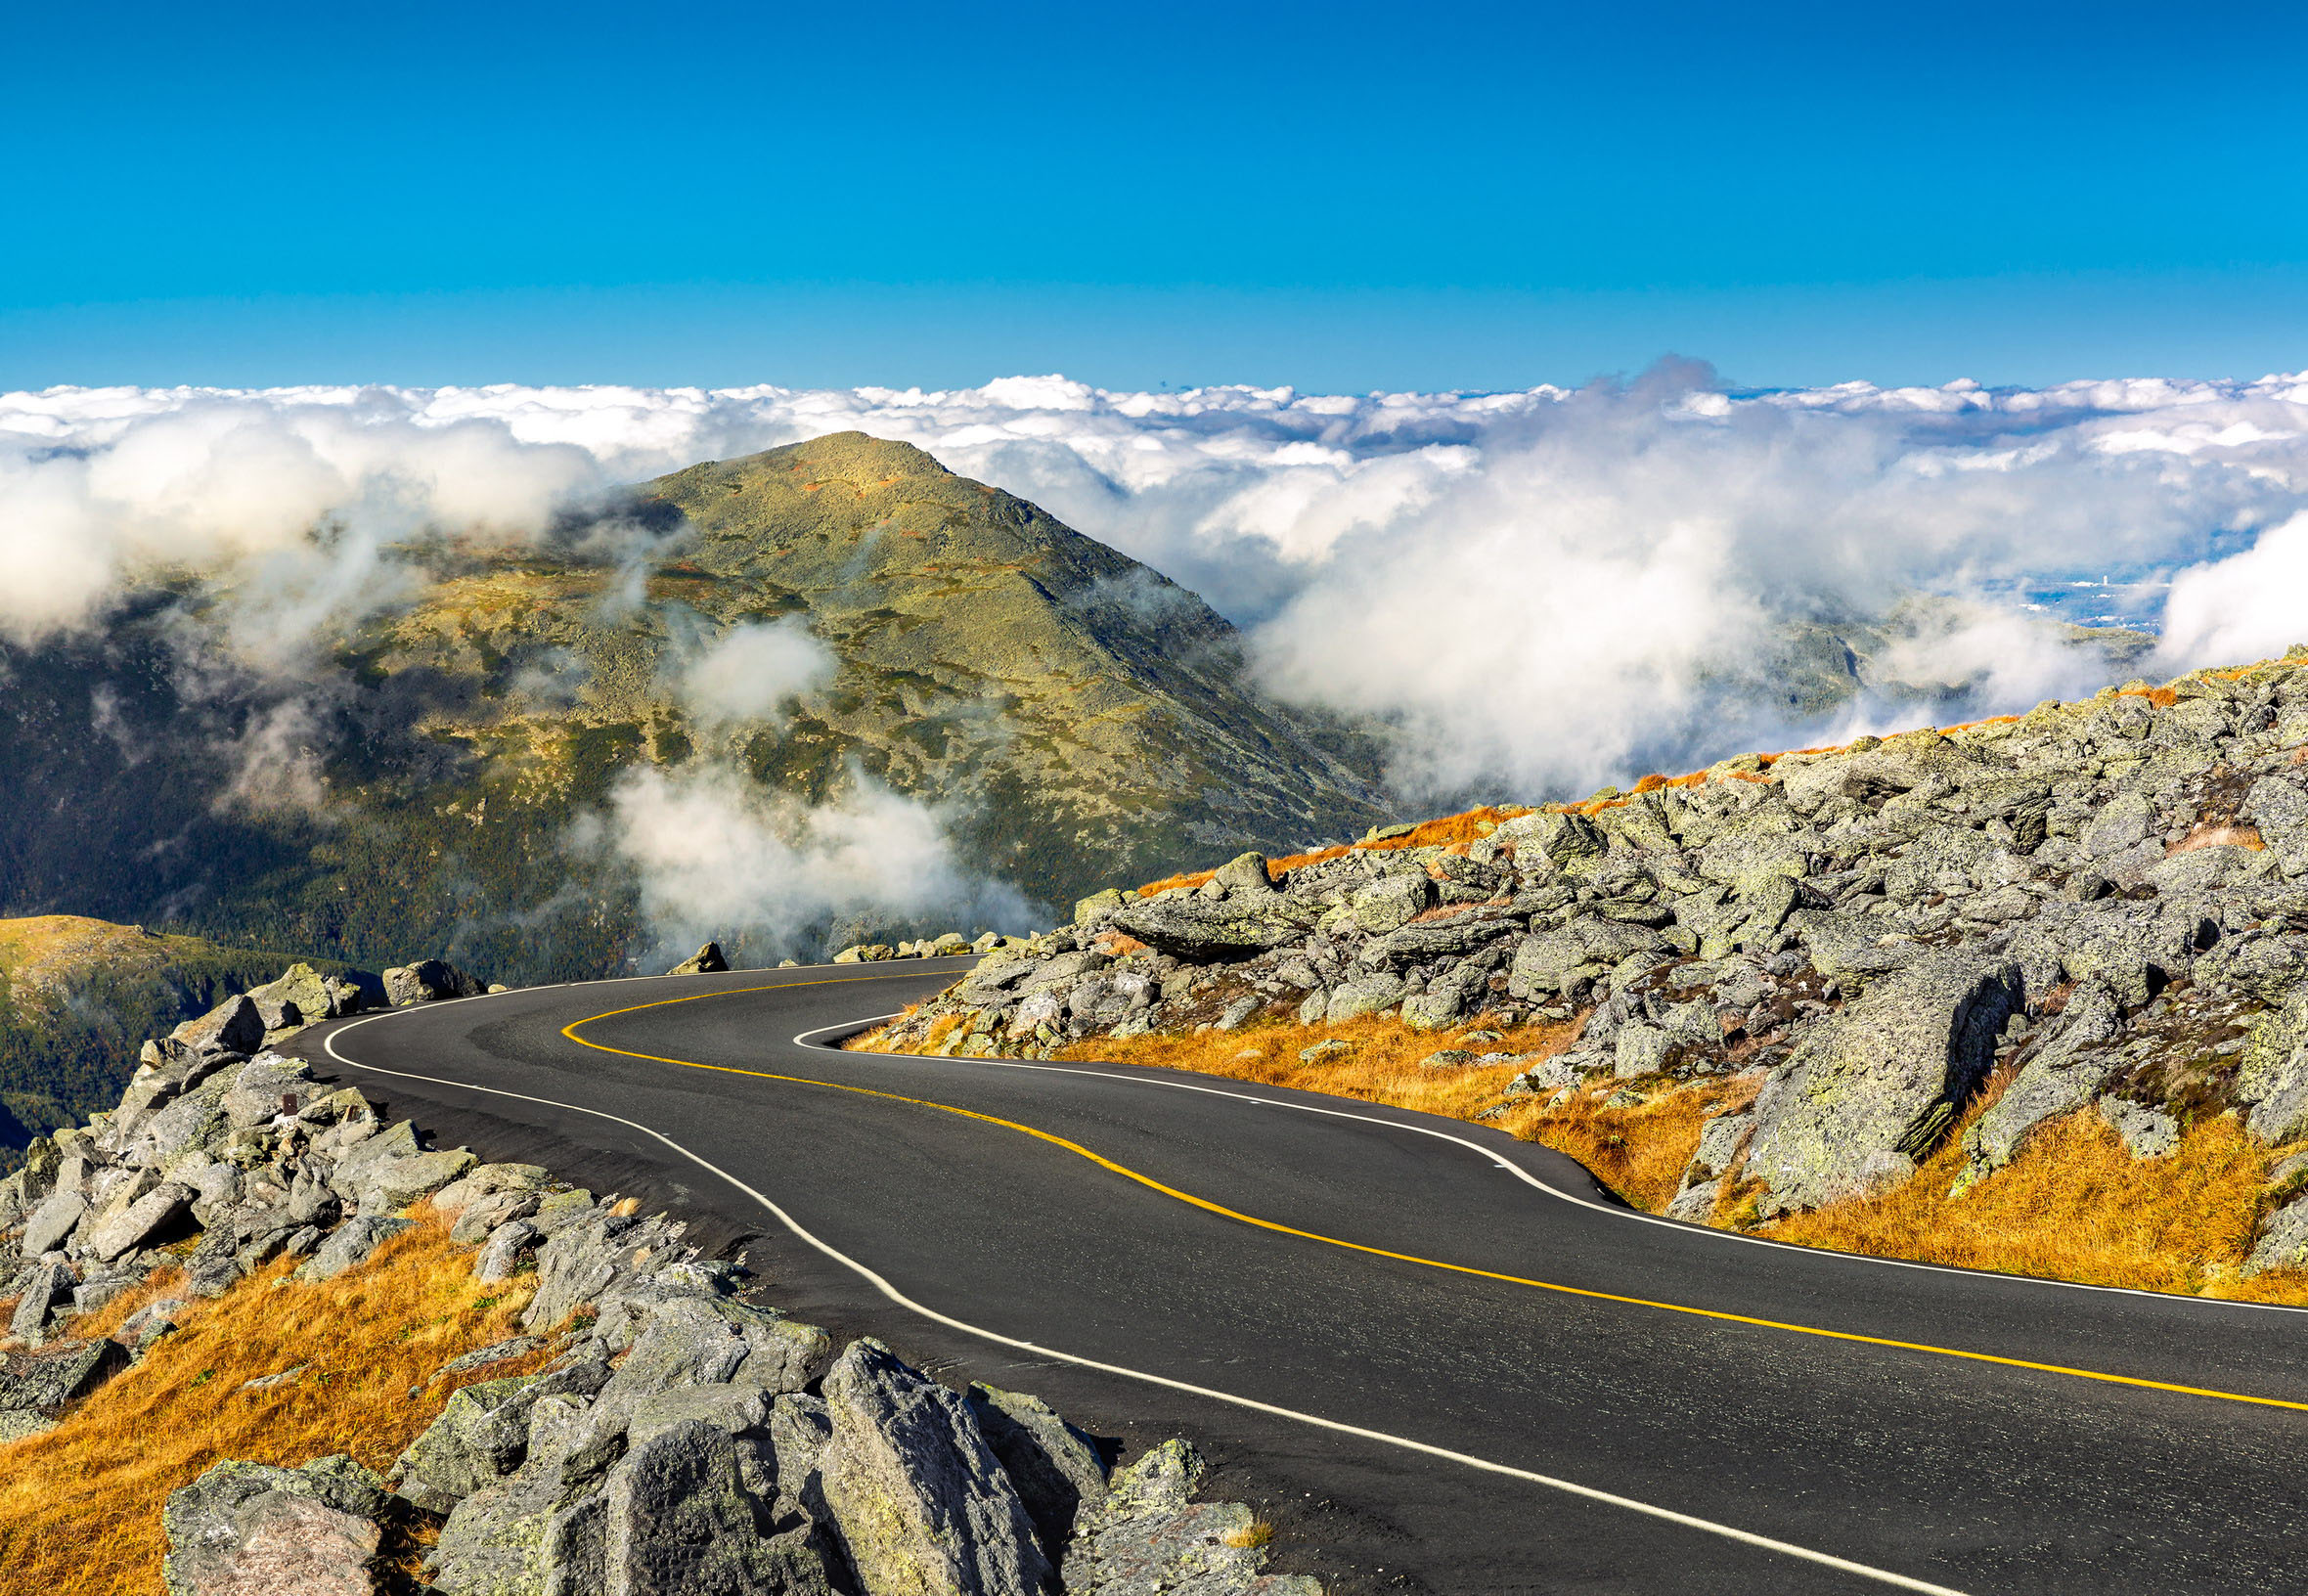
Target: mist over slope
1534 591
784 700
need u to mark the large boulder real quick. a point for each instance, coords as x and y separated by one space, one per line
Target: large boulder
429 981
59 1214
921 1500
353 1243
2279 810
1869 1093
43 1382
1055 1467
2273 1076
302 996
151 1217
706 960
234 1026
1201 930
1148 1534
251 1530
2068 1070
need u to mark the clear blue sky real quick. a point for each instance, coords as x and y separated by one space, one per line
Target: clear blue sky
1340 195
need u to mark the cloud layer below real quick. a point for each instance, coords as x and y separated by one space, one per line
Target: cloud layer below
1536 592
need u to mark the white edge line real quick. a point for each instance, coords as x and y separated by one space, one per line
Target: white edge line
1589 1493
1131 1073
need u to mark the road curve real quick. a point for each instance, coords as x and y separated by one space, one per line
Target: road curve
1441 1360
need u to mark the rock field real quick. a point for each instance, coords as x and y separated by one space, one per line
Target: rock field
2106 899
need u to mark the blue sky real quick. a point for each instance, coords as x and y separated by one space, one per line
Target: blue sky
1340 196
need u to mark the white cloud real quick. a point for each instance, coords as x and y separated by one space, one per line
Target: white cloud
718 858
1534 590
2247 607
750 672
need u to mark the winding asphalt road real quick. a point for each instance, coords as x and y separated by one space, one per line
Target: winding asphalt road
1437 1358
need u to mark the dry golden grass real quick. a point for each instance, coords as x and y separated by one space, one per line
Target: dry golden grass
1637 1151
80 1506
2076 1205
1382 1065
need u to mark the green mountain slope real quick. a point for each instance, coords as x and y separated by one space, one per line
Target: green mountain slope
77 998
435 780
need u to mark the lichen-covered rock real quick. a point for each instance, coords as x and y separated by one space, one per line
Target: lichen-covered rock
234 1026
56 1218
2148 1131
2273 1076
251 1530
1872 1091
1200 930
920 1499
2284 1240
2068 1070
429 981
1055 1467
1148 1536
352 1244
147 1218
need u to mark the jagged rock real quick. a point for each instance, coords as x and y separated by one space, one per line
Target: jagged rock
2148 1131
1557 839
39 1290
921 1501
2273 1076
1872 1091
43 1382
1148 1535
353 1243
386 1185
715 1341
251 1530
234 1026
266 1087
2284 1240
676 1517
1372 994
1391 902
706 960
302 996
1055 1467
2279 810
429 981
2068 1071
481 1436
51 1222
508 1245
143 1220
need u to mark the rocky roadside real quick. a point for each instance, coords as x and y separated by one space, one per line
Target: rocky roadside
2096 906
677 1437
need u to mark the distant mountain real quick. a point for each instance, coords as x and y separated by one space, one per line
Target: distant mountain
434 778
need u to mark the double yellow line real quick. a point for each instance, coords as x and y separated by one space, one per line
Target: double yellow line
1206 1205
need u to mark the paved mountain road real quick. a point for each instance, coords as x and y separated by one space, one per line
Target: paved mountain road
1135 1262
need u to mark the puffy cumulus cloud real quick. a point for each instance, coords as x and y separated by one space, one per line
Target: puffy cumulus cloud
2247 607
1532 590
752 670
717 857
300 490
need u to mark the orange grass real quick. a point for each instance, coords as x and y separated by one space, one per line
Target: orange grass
80 1506
2076 1205
1639 1152
1382 1067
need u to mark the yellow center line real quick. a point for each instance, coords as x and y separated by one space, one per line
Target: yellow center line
1205 1204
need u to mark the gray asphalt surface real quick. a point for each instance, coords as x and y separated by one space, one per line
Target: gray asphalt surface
1956 1472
